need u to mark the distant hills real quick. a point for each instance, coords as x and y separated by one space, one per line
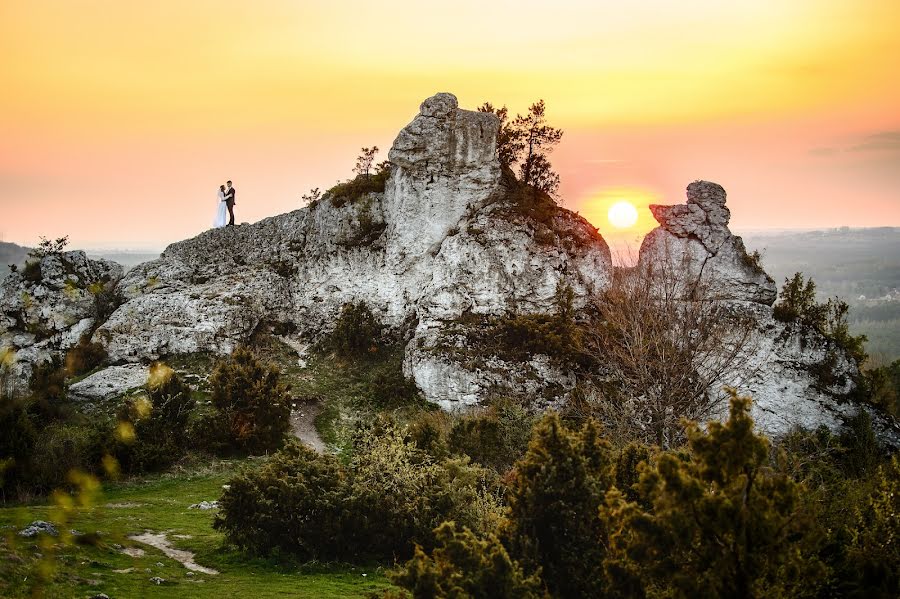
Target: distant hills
861 266
11 253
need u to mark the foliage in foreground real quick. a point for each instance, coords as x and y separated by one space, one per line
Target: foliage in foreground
723 523
553 499
252 407
464 565
389 497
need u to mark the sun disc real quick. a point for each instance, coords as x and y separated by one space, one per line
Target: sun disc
622 214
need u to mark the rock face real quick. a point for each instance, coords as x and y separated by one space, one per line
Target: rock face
779 368
444 239
694 239
46 308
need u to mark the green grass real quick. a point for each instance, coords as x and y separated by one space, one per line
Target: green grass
160 504
342 388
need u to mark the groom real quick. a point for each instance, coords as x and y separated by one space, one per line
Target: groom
229 201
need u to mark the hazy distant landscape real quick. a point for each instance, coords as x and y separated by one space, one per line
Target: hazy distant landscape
861 266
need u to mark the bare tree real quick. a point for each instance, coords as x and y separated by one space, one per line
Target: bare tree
365 161
312 197
668 348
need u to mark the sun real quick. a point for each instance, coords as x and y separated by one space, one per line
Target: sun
622 214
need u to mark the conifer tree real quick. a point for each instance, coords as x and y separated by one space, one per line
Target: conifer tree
557 488
722 522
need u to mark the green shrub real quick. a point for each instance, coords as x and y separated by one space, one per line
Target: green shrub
554 496
429 431
16 444
390 496
355 189
48 390
388 387
252 408
61 449
160 422
883 386
495 438
722 522
874 552
356 332
463 565
32 271
294 503
798 304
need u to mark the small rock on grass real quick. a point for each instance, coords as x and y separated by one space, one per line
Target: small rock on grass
37 527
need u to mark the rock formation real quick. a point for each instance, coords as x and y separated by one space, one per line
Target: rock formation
49 306
451 239
694 239
448 241
779 370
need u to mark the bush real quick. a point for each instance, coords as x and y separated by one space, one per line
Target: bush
798 304
294 503
388 387
553 501
84 357
496 438
462 565
48 390
252 408
722 522
160 422
428 431
32 271
16 443
355 189
355 333
883 385
61 449
389 497
875 547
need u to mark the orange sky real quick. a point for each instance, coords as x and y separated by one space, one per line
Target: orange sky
118 120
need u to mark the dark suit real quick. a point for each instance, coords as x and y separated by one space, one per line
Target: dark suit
229 201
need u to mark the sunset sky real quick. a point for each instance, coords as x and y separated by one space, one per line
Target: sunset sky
118 120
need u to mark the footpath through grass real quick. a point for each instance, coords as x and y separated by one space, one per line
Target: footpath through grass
120 567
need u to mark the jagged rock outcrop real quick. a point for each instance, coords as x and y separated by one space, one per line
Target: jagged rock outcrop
46 308
445 238
694 239
782 363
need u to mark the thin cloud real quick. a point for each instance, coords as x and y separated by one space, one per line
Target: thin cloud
886 141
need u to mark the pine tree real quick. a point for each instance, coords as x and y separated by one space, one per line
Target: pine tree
722 522
557 488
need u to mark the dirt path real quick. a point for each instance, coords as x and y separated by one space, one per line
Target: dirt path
303 426
160 542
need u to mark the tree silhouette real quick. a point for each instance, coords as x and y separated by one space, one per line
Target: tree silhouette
526 141
365 161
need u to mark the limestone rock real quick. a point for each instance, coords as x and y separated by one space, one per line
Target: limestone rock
452 241
109 383
693 239
46 308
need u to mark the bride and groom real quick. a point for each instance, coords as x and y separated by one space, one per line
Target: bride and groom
225 212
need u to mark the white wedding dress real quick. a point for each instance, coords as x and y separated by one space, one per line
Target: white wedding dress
221 212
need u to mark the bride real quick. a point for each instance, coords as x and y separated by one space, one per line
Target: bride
222 211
